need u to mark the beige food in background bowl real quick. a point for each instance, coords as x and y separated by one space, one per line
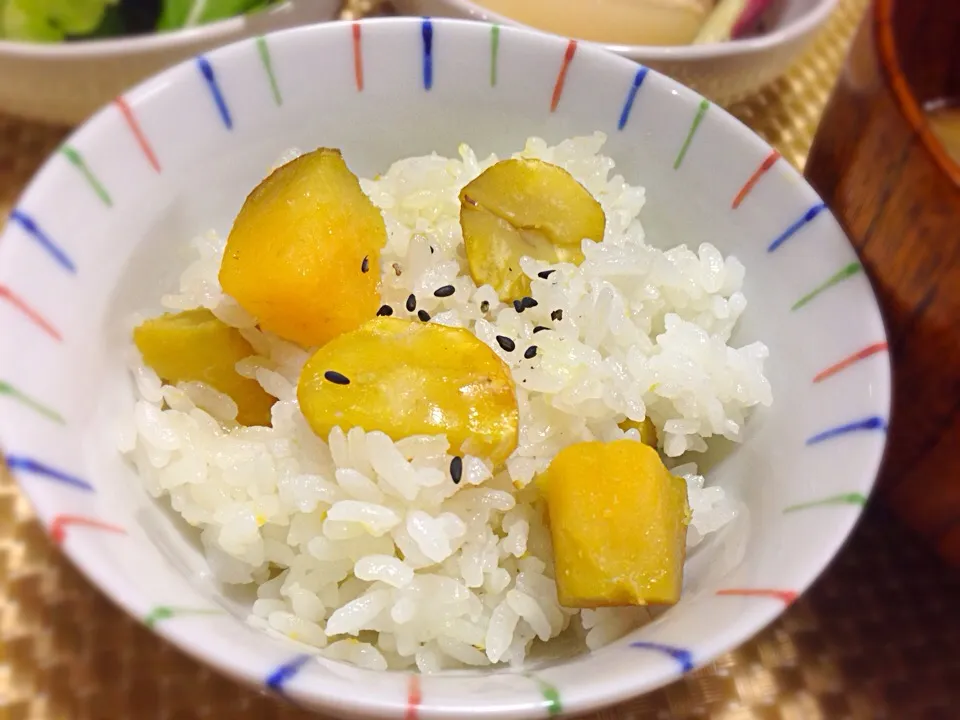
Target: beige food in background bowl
67 82
660 33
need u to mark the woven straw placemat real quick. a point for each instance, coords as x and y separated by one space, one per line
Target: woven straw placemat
877 637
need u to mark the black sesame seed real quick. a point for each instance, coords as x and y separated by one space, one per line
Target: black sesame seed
506 343
484 306
445 291
431 250
556 315
518 306
335 377
456 469
386 310
365 265
529 302
530 352
423 315
544 274
411 303
539 328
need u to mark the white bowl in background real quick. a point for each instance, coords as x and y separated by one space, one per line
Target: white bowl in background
724 72
99 234
67 82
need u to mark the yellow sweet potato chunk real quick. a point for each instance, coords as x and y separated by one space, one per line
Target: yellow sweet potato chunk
303 256
409 378
194 346
618 520
524 207
648 431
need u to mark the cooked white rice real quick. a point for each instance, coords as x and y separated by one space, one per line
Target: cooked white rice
361 547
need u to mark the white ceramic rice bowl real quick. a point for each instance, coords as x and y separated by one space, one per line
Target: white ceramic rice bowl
66 82
100 232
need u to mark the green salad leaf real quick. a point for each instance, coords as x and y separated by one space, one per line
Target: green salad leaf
50 20
17 24
186 13
60 20
111 25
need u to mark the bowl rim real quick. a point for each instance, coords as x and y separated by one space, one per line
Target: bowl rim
144 43
802 26
599 691
907 103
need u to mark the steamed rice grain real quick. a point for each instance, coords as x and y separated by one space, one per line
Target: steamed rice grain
363 548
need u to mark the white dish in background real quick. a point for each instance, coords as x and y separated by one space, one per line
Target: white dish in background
67 82
723 72
99 234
